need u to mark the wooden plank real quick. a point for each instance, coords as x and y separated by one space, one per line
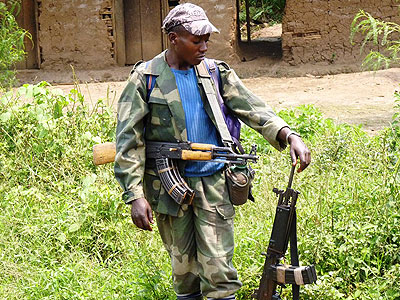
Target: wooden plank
132 16
30 25
164 12
119 26
20 20
151 28
27 20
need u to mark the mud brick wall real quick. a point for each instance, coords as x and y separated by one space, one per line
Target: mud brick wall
319 30
222 15
78 33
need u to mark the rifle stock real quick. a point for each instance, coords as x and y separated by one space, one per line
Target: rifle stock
104 153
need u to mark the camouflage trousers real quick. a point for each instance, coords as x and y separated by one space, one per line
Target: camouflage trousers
200 240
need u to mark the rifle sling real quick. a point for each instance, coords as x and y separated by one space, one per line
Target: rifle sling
206 82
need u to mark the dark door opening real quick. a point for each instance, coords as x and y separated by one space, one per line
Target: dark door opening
259 27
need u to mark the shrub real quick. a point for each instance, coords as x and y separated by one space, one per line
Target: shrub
12 49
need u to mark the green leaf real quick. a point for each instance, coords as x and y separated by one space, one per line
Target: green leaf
5 117
74 227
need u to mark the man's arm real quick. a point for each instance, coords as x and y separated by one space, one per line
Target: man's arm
255 113
130 149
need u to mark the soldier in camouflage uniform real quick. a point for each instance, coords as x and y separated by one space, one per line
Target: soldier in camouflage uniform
198 237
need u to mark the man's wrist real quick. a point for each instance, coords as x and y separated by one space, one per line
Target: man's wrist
291 132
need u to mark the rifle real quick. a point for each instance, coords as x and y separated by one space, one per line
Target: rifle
283 230
166 154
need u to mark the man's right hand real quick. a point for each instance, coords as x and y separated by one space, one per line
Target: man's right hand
141 214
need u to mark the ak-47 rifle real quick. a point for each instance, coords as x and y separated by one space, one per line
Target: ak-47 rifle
283 231
166 154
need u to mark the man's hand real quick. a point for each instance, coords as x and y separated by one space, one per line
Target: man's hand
297 148
141 214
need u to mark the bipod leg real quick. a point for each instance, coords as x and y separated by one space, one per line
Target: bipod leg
294 254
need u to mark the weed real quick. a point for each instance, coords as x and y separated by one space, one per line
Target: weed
66 234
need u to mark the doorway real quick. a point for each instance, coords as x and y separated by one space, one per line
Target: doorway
142 26
26 18
259 27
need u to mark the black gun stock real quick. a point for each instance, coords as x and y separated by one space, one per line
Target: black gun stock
283 231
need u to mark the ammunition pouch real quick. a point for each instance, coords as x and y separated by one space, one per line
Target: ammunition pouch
238 180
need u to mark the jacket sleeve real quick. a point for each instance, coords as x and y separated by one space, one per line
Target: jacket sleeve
249 108
130 153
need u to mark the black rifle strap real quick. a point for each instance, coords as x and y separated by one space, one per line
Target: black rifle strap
294 254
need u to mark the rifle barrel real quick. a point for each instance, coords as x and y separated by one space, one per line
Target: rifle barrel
291 177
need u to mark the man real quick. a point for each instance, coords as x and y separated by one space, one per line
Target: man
198 237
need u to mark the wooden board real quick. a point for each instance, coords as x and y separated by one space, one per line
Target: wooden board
133 45
151 28
27 20
143 37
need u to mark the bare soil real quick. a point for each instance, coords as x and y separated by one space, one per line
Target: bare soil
361 98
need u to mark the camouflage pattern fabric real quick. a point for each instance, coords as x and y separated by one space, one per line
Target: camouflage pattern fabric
191 17
164 120
200 240
199 237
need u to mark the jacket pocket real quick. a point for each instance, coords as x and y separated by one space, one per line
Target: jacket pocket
159 124
160 114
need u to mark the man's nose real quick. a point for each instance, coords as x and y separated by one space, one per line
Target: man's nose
203 46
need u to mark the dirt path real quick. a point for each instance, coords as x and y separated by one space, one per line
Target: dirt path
359 98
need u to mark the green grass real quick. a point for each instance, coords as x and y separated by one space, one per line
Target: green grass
66 234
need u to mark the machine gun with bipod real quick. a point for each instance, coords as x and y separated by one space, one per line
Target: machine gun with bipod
284 230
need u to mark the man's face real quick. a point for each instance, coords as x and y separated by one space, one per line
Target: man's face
190 48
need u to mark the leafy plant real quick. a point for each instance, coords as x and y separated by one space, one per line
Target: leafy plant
12 48
382 34
66 234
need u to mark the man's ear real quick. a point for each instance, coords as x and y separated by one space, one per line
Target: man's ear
172 36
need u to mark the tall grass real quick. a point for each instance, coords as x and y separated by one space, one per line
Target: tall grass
66 234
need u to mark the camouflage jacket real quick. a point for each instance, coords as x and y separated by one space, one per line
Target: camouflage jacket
161 118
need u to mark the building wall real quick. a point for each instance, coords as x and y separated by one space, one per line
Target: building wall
77 33
319 30
82 33
222 14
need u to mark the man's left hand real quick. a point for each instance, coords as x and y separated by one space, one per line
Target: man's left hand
299 150
297 147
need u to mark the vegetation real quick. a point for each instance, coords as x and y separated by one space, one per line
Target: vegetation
263 11
12 49
383 35
66 234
